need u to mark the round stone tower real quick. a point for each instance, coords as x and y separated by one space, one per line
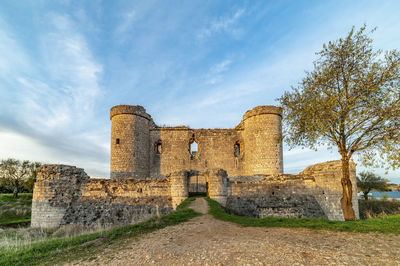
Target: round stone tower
263 140
130 142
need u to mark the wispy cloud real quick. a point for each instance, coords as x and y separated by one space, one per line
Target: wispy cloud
12 56
215 74
222 24
56 95
127 20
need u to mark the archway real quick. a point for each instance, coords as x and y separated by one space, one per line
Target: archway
197 184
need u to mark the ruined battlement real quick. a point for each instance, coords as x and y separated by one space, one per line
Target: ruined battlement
263 110
129 109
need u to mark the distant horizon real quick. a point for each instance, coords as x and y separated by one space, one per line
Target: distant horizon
64 64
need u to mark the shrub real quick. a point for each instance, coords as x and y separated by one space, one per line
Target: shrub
377 208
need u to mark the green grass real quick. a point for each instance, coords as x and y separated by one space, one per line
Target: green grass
61 249
13 211
387 224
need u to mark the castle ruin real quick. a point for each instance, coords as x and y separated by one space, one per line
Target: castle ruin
153 169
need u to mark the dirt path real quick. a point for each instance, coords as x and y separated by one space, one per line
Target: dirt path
207 241
199 205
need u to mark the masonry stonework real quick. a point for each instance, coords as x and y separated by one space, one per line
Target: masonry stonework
153 170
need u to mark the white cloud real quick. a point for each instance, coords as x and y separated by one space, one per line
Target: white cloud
126 23
222 24
221 67
55 96
215 74
12 56
70 65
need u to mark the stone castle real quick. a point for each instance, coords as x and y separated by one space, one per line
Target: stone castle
153 169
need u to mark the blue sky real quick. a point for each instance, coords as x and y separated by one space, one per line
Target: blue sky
64 64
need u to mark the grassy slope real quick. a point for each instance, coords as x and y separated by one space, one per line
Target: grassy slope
15 210
387 224
61 249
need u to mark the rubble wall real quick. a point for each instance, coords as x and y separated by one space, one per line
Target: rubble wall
65 195
216 147
315 192
289 196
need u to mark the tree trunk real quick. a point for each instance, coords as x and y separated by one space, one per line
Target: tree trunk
346 203
365 195
15 192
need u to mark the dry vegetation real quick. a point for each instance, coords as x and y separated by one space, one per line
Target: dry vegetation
15 210
378 208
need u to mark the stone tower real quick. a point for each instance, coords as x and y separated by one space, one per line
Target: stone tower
130 140
263 140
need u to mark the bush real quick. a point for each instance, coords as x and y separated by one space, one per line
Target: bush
377 208
15 210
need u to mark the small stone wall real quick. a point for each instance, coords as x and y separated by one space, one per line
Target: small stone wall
65 195
288 196
315 192
56 187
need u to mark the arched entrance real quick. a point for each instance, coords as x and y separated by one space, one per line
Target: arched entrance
197 184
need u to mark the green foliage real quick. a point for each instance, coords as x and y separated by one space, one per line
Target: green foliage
62 249
387 224
18 175
197 194
378 208
350 100
367 181
15 210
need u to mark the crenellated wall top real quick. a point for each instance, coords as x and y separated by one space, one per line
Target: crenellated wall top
263 109
129 109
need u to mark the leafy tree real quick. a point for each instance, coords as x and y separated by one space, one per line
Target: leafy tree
367 181
351 101
15 173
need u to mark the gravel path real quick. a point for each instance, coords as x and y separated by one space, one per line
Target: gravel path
207 241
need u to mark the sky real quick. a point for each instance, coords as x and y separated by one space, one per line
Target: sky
64 64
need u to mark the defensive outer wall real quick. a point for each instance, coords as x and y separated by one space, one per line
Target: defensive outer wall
153 171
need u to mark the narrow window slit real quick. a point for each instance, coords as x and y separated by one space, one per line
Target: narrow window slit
193 147
237 149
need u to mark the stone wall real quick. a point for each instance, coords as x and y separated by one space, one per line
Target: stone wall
288 196
65 195
215 147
